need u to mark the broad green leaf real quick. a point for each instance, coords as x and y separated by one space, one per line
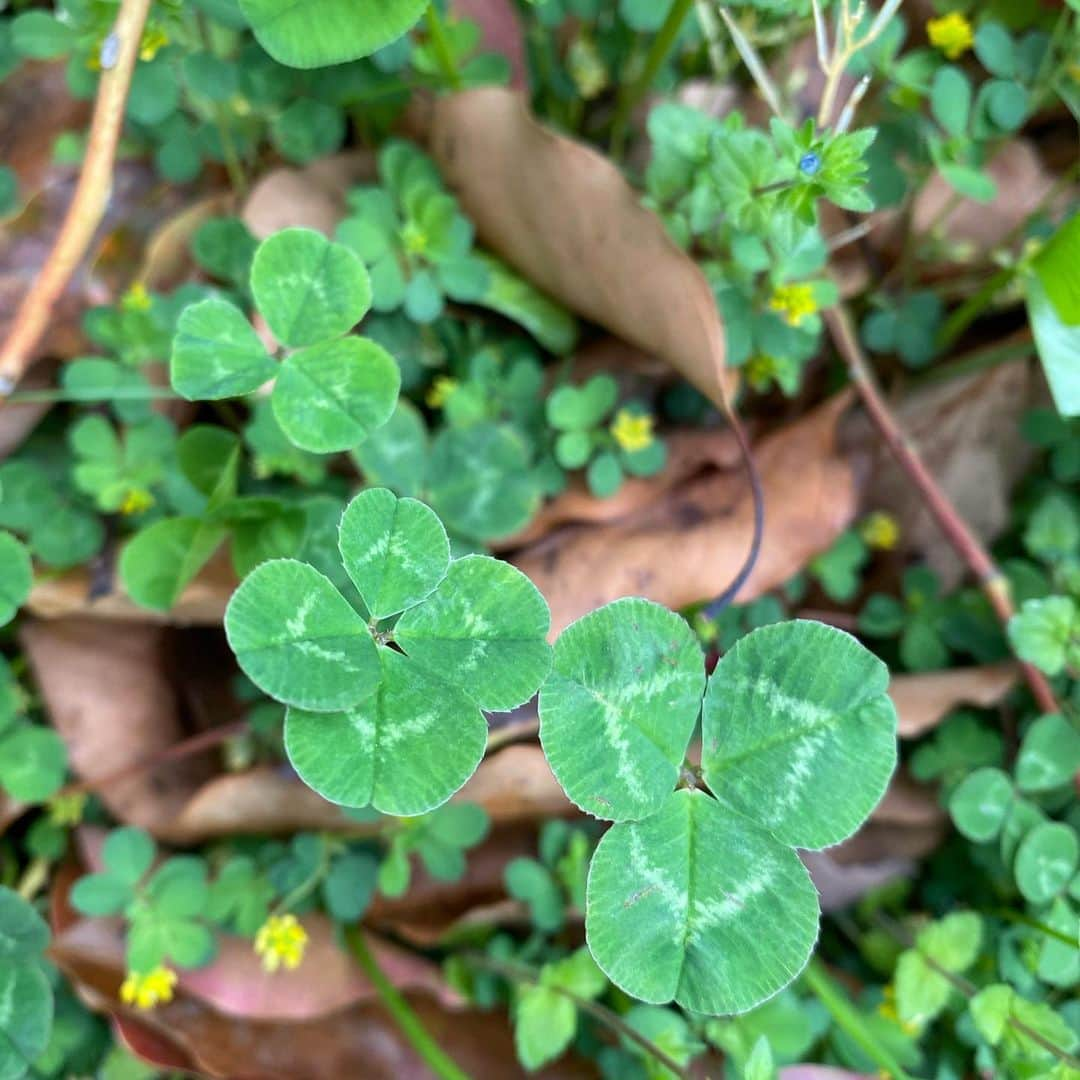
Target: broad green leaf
1058 268
16 576
127 854
160 561
395 550
1046 860
38 35
1045 632
1059 961
981 803
950 99
205 454
298 639
280 534
952 943
545 1023
405 750
484 628
511 295
23 933
396 454
217 354
480 481
33 762
307 288
330 397
699 904
619 707
101 894
318 33
178 888
26 1013
1059 349
799 733
1049 756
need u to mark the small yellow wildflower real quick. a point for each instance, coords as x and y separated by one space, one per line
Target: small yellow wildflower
761 370
880 531
67 809
136 501
152 41
440 390
281 941
795 302
136 298
149 990
632 431
951 34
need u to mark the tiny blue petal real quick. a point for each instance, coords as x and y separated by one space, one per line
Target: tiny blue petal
110 52
810 163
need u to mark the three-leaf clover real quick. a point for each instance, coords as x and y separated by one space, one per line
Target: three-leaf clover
700 897
390 714
335 388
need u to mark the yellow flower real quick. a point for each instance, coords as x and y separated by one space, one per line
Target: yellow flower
440 390
761 370
794 302
136 501
67 809
880 531
951 34
281 941
149 990
136 298
632 431
151 42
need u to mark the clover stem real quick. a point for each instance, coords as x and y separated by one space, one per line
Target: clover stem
973 307
848 1019
521 973
657 54
436 29
967 545
322 867
408 1023
88 206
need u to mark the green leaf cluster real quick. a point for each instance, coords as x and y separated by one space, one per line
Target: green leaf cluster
26 998
33 757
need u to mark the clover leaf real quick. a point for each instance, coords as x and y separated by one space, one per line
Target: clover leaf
26 1000
399 727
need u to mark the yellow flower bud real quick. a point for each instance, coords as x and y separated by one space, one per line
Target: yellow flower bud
280 942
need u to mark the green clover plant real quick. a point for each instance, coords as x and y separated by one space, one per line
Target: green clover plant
26 996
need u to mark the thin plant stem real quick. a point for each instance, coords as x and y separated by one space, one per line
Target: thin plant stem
408 1023
441 44
753 62
993 582
1034 924
710 31
657 54
1002 352
89 203
848 1019
521 973
973 307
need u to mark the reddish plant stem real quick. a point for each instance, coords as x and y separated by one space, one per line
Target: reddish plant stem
992 581
89 203
205 740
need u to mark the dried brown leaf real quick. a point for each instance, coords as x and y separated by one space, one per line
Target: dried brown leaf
923 701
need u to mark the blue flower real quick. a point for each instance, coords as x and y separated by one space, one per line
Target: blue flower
810 163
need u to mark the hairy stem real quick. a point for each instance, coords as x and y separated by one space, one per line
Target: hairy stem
849 1019
658 53
992 581
87 207
521 973
409 1024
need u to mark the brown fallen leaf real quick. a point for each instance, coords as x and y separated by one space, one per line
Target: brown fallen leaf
967 432
923 701
516 785
687 547
562 215
107 694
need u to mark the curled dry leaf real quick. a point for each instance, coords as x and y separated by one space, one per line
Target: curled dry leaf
687 546
840 885
967 432
110 699
562 215
923 701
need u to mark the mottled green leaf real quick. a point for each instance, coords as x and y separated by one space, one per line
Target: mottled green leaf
16 576
619 707
799 733
1046 860
981 803
396 454
26 1011
33 761
1049 756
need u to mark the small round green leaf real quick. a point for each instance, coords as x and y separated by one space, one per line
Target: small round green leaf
395 550
799 733
699 905
33 761
217 354
1049 756
1046 860
330 397
160 561
318 33
127 854
485 629
297 638
307 288
981 803
16 576
405 750
396 454
26 1013
619 707
23 932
